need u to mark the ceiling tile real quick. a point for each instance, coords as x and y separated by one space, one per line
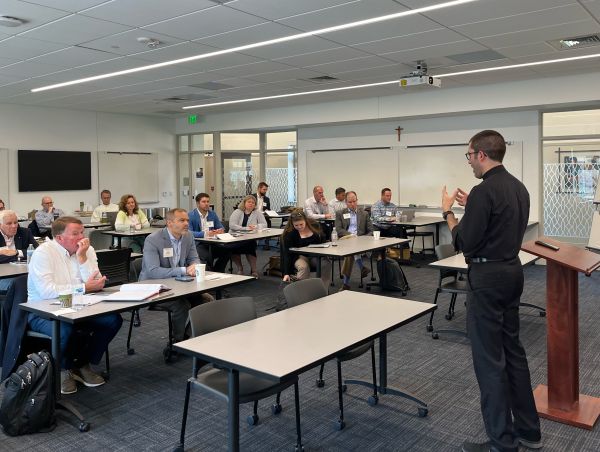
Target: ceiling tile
205 23
174 52
520 22
21 48
27 69
580 28
538 48
126 43
74 30
137 13
290 74
349 12
270 9
69 5
483 10
593 6
292 48
352 65
73 57
34 15
325 56
428 53
415 41
249 35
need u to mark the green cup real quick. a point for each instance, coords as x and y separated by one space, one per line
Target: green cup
65 296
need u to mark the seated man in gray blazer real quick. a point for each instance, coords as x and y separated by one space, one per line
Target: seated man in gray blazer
352 221
168 253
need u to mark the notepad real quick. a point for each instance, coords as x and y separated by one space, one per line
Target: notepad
319 245
226 236
271 213
136 292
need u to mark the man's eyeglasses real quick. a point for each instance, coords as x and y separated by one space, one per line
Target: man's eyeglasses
469 154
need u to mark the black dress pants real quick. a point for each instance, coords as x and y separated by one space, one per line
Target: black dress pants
499 358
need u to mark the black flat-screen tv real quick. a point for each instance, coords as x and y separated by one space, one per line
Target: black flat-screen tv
54 170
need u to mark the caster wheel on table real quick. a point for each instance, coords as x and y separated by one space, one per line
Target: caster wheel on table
320 383
373 400
252 420
423 412
84 427
276 408
340 425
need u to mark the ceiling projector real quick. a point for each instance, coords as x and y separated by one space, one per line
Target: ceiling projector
420 77
426 80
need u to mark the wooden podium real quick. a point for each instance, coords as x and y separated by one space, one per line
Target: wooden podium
560 400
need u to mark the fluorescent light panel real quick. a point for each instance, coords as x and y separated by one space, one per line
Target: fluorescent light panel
257 44
330 90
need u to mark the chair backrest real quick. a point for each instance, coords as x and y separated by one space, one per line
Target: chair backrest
444 251
114 264
111 217
304 291
35 230
100 241
220 314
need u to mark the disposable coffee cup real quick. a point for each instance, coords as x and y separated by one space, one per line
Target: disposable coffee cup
65 296
260 227
376 235
200 272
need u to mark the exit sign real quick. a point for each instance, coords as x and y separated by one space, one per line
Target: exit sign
192 119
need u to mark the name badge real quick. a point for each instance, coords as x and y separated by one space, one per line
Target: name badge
210 224
167 252
388 213
346 216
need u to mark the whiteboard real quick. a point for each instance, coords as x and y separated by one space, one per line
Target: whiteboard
135 173
424 171
4 176
364 171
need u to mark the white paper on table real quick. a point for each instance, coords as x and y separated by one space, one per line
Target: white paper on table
226 236
271 213
88 300
64 311
215 276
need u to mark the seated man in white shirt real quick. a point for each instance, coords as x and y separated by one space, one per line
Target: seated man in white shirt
66 260
316 206
339 202
106 206
47 215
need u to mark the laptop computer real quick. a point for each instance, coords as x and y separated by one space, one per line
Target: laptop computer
112 217
410 214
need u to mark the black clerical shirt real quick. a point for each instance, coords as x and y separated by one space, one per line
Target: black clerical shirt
495 217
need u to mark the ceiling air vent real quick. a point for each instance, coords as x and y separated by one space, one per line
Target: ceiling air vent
322 79
575 43
185 98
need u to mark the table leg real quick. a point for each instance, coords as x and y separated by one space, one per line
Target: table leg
233 385
437 234
383 386
119 241
319 268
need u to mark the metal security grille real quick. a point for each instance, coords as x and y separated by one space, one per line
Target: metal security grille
568 193
282 187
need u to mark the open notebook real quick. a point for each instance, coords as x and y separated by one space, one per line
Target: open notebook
136 292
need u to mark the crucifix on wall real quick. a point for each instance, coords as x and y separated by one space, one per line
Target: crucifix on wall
399 130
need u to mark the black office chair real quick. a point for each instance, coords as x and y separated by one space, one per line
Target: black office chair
35 230
115 265
449 282
215 316
414 234
312 289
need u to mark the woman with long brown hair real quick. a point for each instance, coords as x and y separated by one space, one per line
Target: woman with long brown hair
299 231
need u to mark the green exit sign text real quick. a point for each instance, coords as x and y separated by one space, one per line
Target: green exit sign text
192 119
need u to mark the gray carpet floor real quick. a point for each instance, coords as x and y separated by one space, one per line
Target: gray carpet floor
140 407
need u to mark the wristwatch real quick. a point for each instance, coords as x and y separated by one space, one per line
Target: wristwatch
446 213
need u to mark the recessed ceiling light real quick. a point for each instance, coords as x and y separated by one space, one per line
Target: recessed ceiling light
259 44
345 88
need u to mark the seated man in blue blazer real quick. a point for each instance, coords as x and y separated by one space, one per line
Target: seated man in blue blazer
14 241
168 253
205 223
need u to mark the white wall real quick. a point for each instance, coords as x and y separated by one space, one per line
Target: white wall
26 127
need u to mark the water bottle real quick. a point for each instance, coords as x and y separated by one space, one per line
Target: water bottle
30 250
398 215
334 237
78 291
104 218
131 228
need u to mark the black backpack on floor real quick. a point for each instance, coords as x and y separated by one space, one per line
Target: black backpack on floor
29 401
395 279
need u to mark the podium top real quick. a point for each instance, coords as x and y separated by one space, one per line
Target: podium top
569 256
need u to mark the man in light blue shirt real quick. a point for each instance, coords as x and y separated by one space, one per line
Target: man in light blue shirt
47 215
